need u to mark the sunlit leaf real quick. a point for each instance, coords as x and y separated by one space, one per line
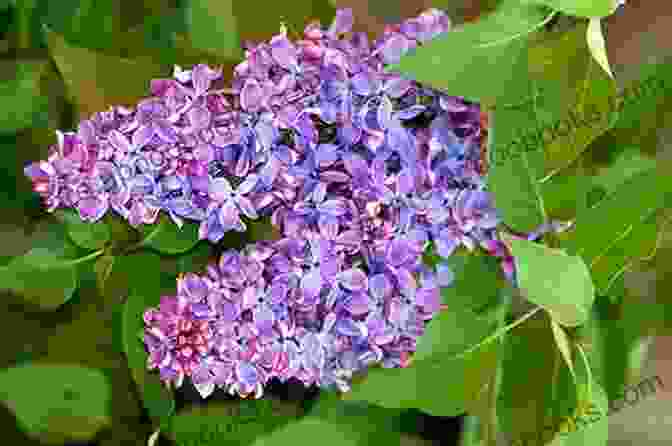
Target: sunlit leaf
550 278
65 401
564 345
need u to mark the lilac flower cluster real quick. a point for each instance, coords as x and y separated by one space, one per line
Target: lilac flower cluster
291 308
358 168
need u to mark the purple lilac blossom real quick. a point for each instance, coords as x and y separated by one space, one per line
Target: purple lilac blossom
358 168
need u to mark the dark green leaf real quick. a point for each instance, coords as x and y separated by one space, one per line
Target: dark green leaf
144 274
96 80
85 234
166 238
63 402
536 387
550 278
46 274
103 269
340 423
476 60
234 422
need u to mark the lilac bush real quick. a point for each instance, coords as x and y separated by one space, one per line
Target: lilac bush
360 169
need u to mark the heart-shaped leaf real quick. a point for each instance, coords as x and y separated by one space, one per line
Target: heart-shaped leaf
60 401
550 278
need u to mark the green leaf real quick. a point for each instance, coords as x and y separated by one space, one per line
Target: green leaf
96 80
262 24
65 402
442 380
103 269
26 105
214 28
143 271
464 61
340 423
232 422
167 238
597 45
601 226
85 234
535 386
580 8
588 424
550 278
640 242
477 282
46 274
628 163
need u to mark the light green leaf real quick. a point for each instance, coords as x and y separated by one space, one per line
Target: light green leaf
96 80
85 234
63 402
580 8
213 27
307 431
144 274
597 45
464 61
167 238
550 278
